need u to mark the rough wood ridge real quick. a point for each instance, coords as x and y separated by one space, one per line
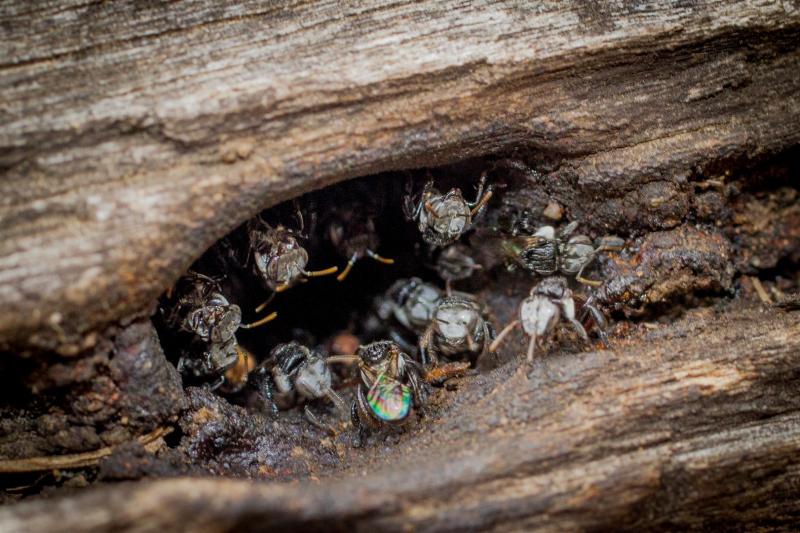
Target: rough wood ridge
693 426
132 137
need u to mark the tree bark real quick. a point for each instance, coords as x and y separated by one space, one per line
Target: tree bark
132 138
695 425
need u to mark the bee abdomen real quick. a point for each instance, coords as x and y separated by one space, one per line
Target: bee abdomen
541 259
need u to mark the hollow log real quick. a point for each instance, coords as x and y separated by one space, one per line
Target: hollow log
132 138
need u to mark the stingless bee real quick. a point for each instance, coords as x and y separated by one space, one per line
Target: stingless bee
549 301
298 375
443 218
213 361
548 252
353 234
203 310
455 263
390 386
412 302
457 327
280 259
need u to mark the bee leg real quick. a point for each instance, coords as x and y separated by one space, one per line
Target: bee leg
580 329
214 385
488 333
429 208
358 438
260 381
447 288
502 335
590 282
418 392
481 185
531 348
567 306
361 418
599 320
427 355
316 422
481 199
338 402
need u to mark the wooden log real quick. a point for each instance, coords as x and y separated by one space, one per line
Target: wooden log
132 138
693 425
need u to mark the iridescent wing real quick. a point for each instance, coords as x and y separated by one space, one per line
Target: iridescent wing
389 399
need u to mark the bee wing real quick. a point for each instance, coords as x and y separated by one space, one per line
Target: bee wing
389 399
513 247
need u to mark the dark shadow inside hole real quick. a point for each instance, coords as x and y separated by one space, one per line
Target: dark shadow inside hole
314 311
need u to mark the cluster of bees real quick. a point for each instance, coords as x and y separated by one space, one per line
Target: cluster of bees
451 328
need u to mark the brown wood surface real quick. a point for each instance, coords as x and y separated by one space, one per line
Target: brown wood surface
696 424
132 136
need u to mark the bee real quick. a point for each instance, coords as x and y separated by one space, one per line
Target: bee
548 252
412 302
211 361
204 311
457 327
455 263
550 301
280 259
390 386
353 234
297 375
236 374
443 218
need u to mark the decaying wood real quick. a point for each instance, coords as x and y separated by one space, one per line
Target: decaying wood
695 424
75 460
132 138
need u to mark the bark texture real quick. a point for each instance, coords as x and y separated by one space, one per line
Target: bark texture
694 425
133 137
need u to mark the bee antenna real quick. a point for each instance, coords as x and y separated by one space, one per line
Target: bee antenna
270 317
378 258
324 272
347 268
343 359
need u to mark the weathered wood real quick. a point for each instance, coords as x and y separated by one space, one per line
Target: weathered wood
131 138
694 425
